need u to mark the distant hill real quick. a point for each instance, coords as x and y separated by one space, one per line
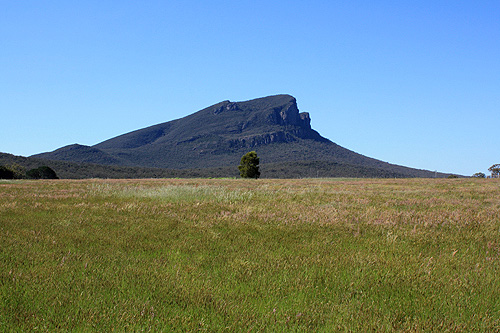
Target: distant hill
217 137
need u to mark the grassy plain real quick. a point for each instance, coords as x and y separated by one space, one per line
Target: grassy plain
271 255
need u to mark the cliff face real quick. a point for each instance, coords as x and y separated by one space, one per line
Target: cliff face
288 115
278 123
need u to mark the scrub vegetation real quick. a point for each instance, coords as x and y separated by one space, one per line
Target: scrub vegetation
233 254
286 170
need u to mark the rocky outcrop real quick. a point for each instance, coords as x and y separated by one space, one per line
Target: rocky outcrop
287 114
305 119
259 140
227 106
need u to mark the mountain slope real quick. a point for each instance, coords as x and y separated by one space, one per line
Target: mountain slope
219 135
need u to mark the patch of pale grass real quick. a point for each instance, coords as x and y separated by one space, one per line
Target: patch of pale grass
177 193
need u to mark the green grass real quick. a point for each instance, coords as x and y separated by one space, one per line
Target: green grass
272 255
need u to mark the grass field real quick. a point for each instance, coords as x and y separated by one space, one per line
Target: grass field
271 255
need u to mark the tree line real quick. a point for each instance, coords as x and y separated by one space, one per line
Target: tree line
249 168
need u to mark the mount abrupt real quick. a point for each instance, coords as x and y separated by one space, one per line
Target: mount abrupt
219 135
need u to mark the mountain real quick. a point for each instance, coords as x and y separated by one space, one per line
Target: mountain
219 135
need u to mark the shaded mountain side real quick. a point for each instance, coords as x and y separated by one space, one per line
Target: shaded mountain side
243 124
297 169
219 135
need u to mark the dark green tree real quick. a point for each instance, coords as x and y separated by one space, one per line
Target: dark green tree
43 172
249 165
6 173
479 175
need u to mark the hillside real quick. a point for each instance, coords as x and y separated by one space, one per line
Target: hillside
219 135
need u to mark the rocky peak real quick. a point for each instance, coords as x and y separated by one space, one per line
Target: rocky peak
226 106
288 114
305 119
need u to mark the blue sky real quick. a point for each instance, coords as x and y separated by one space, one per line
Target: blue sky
415 83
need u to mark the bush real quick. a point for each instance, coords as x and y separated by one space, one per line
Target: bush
43 172
6 173
479 175
18 170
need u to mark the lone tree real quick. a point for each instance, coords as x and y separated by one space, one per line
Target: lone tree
249 166
495 170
